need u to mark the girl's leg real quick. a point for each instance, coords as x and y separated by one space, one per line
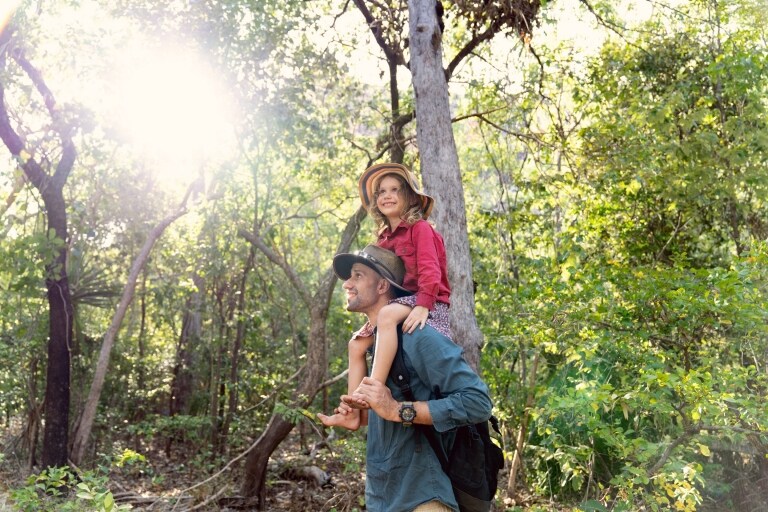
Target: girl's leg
358 369
386 338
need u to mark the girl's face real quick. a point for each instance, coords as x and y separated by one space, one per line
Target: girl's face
390 197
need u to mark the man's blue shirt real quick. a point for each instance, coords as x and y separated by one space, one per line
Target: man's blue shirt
402 470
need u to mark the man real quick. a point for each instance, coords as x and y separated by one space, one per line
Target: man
402 471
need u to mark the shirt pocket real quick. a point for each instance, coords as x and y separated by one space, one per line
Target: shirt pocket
406 250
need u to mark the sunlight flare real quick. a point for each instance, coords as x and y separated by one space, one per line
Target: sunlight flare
173 109
7 8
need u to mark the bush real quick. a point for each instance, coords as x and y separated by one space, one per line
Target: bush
60 490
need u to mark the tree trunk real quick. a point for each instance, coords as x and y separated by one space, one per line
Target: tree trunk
57 392
254 484
55 433
522 433
316 363
218 350
32 429
141 376
235 363
310 380
440 169
61 314
85 424
189 338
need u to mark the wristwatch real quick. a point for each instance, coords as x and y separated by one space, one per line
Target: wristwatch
407 413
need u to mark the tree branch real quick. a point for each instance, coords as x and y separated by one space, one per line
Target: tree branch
613 27
333 380
278 260
689 433
680 225
82 431
467 50
350 231
668 451
274 391
376 30
482 117
69 153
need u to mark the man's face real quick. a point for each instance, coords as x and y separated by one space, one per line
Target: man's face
362 287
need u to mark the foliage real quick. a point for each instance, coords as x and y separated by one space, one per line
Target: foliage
633 380
633 272
617 213
181 428
677 149
54 489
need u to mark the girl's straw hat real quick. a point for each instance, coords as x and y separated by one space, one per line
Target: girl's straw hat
371 175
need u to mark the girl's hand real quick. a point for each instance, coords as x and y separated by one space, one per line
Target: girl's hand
417 318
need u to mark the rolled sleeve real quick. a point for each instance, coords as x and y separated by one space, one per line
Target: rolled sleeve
423 298
463 397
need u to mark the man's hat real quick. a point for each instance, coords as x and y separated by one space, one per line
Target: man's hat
385 262
371 175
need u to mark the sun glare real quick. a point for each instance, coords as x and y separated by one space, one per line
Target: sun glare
173 110
6 10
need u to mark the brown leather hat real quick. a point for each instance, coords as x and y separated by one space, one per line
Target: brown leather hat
371 174
383 261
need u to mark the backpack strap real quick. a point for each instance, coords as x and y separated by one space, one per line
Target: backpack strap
402 378
399 372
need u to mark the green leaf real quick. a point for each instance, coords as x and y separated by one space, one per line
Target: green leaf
592 506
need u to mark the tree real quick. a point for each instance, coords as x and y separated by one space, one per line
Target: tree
84 424
438 156
440 169
313 372
628 313
678 145
49 182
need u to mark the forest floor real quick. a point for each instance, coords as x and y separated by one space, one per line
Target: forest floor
300 479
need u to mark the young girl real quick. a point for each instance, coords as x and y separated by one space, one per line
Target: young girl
391 195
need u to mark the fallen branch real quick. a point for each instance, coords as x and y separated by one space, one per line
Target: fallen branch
208 501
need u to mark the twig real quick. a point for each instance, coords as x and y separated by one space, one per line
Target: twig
333 380
208 501
274 392
672 236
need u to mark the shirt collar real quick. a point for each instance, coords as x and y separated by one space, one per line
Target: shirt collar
403 226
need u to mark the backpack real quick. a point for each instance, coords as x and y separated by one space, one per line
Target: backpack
474 461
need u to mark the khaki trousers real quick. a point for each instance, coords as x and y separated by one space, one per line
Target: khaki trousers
432 506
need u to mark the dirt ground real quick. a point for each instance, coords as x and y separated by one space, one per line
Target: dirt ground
299 480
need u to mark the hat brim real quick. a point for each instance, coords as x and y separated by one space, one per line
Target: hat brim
370 175
342 267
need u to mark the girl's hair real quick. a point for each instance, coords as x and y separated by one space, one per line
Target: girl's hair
412 212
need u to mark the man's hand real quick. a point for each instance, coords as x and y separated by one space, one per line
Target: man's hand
379 398
416 318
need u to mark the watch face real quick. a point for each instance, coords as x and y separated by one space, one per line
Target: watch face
407 412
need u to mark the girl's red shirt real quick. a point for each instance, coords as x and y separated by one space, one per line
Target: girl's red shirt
423 252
